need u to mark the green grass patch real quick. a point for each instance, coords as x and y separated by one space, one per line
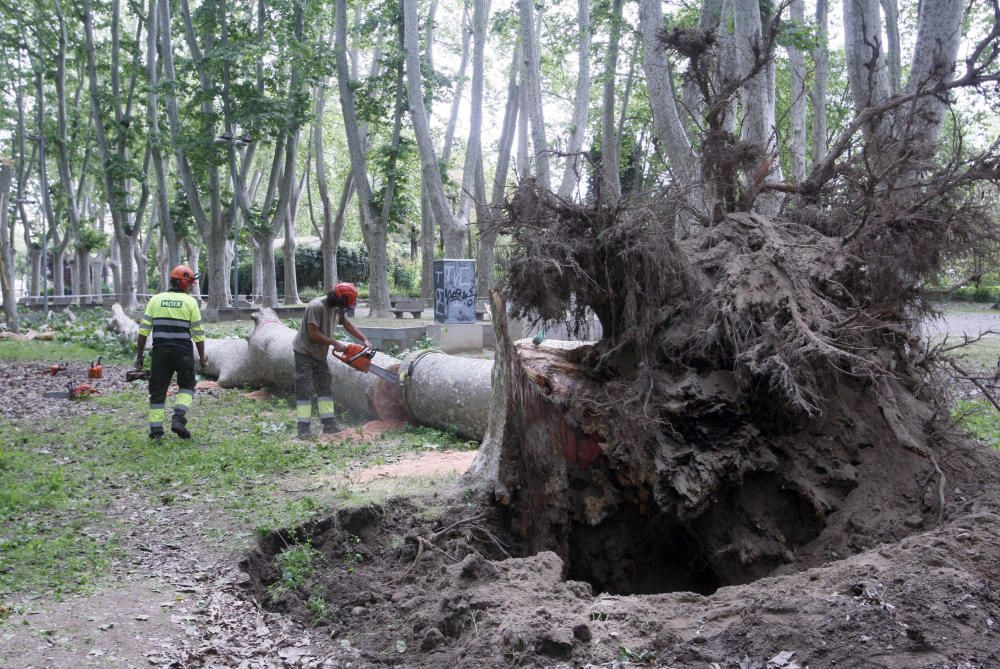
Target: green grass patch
49 351
58 478
981 420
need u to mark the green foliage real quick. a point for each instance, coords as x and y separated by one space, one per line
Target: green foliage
91 238
980 419
802 36
297 564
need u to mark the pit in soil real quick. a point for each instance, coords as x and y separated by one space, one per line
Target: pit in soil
405 590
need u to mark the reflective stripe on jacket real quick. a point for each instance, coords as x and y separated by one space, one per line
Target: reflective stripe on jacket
174 319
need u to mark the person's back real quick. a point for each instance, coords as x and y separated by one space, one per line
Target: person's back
173 318
173 323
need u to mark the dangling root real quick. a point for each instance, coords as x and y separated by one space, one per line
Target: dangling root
890 412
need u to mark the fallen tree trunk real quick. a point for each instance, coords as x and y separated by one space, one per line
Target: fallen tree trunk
447 392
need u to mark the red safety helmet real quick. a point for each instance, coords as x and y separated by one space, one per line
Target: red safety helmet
182 277
346 294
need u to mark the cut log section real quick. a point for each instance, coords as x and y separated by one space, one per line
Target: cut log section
447 392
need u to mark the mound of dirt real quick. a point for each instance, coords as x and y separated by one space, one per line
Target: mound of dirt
405 591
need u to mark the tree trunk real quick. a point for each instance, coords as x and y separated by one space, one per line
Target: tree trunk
820 74
374 234
269 288
58 269
429 168
258 273
80 269
758 96
447 392
797 61
938 35
193 250
456 99
866 67
330 236
611 186
532 90
428 243
486 259
288 246
581 102
667 124
473 148
35 260
890 12
7 251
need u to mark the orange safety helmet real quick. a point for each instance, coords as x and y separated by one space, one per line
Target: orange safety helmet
346 293
182 277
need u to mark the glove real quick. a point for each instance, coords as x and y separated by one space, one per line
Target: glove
140 360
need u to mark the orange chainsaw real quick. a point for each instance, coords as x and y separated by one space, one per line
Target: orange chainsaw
74 392
360 358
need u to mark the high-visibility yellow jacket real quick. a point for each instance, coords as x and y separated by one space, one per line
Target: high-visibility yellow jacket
174 320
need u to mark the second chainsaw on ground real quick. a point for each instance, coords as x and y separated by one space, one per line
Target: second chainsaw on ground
360 358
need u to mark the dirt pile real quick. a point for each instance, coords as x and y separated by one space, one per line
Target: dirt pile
407 592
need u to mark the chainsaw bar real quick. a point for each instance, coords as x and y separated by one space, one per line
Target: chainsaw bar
383 374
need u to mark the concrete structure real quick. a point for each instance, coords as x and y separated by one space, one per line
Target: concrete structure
455 337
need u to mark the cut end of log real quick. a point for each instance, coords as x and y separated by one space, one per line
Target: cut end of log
387 400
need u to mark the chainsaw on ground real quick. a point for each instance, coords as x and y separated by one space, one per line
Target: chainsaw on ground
360 358
137 375
74 391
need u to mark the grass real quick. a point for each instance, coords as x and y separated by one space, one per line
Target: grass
981 420
58 479
49 351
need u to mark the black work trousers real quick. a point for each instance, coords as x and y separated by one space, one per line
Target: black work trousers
312 374
168 361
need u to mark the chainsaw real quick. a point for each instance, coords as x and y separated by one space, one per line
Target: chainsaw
360 358
74 392
137 375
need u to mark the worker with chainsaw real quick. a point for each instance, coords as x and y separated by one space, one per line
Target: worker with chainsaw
311 346
173 319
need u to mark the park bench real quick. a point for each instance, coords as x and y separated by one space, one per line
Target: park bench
414 307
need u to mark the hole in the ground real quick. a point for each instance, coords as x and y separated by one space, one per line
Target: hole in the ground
633 555
754 527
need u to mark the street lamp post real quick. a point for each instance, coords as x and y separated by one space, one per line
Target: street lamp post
232 141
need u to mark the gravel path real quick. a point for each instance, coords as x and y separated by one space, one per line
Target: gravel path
956 323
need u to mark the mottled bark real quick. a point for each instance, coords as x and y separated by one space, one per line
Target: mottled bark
611 187
800 101
532 90
581 102
429 168
821 72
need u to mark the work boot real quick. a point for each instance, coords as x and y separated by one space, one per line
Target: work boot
178 425
305 433
330 426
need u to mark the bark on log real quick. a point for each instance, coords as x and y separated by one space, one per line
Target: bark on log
447 392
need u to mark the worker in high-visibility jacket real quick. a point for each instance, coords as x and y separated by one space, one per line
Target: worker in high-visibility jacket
174 321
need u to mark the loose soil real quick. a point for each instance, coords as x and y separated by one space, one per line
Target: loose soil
409 592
